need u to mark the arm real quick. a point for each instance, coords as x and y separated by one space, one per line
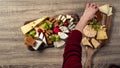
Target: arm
73 50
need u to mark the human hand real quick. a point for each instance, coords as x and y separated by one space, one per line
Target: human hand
89 13
90 10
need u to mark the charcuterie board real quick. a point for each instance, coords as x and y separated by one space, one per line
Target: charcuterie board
49 31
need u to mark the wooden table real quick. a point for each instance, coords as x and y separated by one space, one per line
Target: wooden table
13 53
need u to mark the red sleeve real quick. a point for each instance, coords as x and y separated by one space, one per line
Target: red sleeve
72 51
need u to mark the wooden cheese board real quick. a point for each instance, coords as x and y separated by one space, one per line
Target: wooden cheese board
90 52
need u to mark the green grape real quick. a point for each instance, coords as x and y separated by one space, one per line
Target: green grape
57 37
52 38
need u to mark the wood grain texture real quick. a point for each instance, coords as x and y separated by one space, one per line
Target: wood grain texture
13 14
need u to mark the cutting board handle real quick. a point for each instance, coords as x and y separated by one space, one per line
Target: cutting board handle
88 62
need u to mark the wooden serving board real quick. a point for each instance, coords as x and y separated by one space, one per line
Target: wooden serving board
90 52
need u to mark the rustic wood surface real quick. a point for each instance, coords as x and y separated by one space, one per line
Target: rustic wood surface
14 54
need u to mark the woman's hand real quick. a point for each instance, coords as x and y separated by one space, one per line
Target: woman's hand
89 13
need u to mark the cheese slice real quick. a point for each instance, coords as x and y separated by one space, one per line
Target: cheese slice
26 28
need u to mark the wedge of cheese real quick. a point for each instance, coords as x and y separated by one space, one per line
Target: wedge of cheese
86 42
106 9
95 43
102 35
59 43
26 28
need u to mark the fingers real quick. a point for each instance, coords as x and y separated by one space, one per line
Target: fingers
93 5
87 5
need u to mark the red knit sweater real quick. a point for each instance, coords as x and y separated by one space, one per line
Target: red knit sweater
72 51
